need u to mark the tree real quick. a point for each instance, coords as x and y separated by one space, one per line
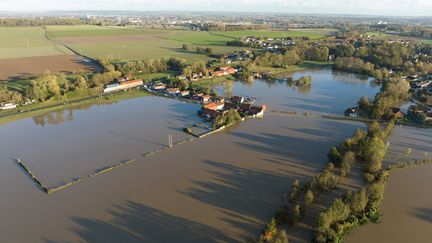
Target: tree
374 130
187 71
364 104
185 47
280 237
309 197
348 160
10 96
295 214
81 83
270 230
334 155
359 201
373 153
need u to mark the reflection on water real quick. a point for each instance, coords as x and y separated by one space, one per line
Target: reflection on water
330 92
60 116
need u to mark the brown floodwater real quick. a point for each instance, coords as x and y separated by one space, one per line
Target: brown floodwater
217 189
407 206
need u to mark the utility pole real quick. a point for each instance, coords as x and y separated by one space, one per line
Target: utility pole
170 144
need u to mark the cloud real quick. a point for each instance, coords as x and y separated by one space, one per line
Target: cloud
380 7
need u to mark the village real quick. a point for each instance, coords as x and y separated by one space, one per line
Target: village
213 106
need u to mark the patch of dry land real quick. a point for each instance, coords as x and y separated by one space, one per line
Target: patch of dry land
217 189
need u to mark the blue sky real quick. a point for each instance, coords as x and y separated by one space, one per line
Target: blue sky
373 7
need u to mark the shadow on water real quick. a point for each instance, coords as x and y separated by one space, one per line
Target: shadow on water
242 192
423 214
136 222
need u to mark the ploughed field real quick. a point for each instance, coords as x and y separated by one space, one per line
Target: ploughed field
26 52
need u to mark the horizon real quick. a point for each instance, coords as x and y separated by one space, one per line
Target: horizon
385 8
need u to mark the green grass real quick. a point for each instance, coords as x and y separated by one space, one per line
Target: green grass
163 43
58 31
16 42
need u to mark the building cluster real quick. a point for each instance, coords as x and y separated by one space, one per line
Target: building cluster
243 55
123 84
218 106
218 72
212 106
270 44
420 83
420 113
355 112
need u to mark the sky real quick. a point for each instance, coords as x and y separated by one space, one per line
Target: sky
354 7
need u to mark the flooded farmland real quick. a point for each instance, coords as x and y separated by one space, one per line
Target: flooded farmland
217 189
407 206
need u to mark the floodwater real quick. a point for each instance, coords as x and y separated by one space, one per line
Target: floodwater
407 206
217 189
65 144
330 92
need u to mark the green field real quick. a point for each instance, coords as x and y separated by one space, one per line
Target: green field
16 42
133 43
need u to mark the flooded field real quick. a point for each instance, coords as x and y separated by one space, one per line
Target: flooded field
65 144
330 92
407 206
217 189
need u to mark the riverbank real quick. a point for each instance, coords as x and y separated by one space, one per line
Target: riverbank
52 105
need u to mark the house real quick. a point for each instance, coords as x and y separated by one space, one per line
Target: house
218 99
237 99
112 88
159 87
218 73
231 105
214 106
207 113
173 91
352 112
245 107
131 84
205 98
396 112
184 93
211 114
7 106
423 84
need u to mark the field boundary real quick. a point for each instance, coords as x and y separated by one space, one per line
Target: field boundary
68 47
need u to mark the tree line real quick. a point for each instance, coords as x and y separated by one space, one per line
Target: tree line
365 147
